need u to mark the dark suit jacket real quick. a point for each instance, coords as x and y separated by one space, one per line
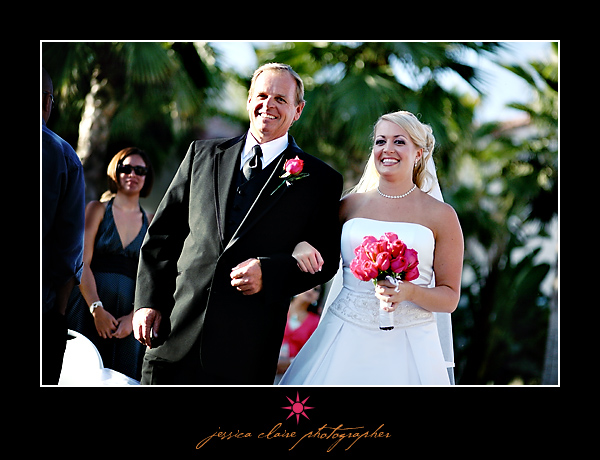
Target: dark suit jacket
185 263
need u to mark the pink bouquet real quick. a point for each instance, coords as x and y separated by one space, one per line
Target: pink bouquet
385 258
377 259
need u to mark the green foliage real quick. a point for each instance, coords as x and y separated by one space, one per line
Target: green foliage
510 198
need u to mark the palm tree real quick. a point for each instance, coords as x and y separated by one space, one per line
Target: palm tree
111 89
543 79
502 322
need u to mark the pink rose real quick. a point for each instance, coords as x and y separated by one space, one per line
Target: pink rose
368 240
389 237
411 258
383 246
411 274
399 264
397 248
361 253
364 270
382 262
371 249
293 172
294 166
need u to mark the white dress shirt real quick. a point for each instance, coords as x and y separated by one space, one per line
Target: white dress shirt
270 149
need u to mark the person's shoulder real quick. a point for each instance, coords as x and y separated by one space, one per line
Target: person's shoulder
317 163
50 137
203 149
439 208
96 207
441 214
222 143
94 213
56 146
350 203
319 168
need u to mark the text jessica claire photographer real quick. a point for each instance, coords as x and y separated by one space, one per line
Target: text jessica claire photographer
338 434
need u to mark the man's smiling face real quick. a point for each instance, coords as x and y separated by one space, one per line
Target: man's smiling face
272 105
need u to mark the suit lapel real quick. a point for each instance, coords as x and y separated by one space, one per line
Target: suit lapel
265 201
225 162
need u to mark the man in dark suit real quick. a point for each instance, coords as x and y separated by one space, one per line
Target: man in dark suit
63 204
216 269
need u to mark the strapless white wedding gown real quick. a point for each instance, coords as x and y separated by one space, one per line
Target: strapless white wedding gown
348 348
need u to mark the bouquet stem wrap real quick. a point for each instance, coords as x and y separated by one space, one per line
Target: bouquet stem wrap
386 318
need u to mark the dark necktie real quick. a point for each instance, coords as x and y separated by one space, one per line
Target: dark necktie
254 165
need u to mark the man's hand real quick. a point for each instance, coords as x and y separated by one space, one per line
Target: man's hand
145 320
247 277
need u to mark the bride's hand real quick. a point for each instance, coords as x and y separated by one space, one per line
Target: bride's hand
308 258
389 293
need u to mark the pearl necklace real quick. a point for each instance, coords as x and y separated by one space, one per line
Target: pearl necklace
395 197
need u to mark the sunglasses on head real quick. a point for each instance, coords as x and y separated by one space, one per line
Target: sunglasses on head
126 169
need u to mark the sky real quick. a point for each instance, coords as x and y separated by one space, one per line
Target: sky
501 88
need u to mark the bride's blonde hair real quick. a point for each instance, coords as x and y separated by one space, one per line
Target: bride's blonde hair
421 135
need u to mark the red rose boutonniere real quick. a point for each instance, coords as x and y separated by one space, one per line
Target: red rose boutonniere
293 171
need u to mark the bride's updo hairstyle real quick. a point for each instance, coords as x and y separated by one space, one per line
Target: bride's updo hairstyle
420 134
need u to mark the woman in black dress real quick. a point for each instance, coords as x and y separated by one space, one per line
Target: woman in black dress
101 308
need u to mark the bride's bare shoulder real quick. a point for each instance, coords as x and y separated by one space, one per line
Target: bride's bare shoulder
351 203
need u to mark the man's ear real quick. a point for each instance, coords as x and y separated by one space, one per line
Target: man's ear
46 104
299 109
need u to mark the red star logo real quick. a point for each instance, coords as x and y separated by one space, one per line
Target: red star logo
297 408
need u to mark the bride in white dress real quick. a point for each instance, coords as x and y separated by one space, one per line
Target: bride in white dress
394 195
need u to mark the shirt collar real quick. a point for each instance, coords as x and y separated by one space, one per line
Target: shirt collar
270 150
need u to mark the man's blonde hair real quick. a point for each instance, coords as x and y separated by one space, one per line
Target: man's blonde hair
276 66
